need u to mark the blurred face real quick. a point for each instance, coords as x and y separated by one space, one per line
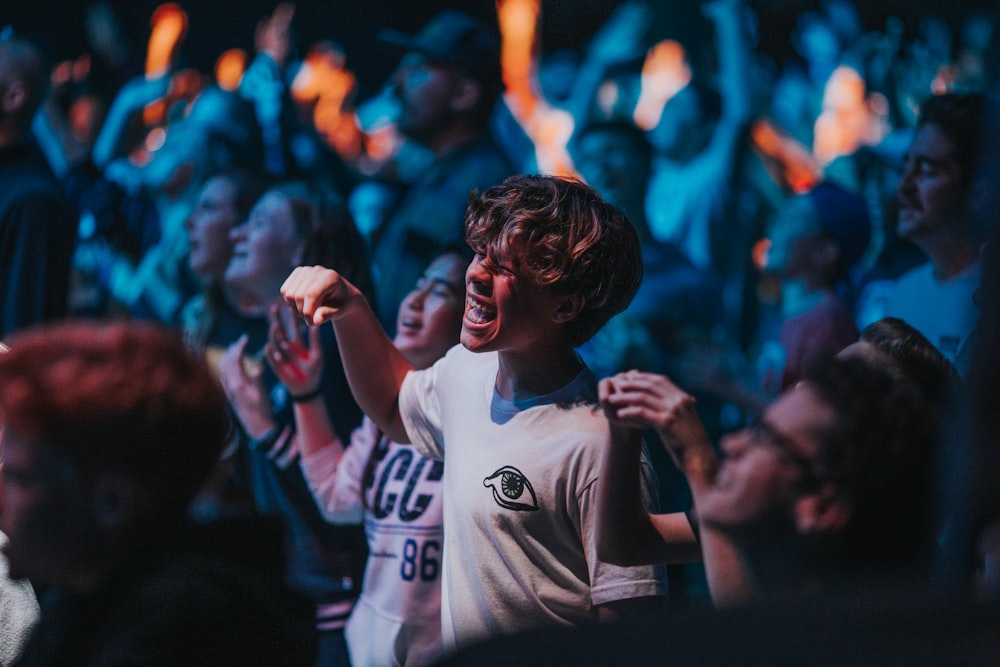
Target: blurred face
265 248
425 92
506 310
682 132
793 233
430 317
615 167
931 193
43 513
208 228
767 466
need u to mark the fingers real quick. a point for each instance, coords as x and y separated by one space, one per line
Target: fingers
315 292
315 345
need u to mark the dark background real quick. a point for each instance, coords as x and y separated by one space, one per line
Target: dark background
216 25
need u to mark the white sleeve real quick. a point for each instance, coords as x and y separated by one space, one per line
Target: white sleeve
420 410
337 485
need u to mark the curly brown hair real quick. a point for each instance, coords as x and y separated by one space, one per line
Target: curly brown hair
563 236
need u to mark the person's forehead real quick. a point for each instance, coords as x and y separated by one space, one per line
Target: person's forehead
448 269
931 140
272 204
801 416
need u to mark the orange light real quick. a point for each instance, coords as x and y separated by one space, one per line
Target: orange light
759 253
324 84
548 128
848 119
665 71
786 160
168 27
229 68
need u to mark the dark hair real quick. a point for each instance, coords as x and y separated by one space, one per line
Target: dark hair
621 128
961 117
565 237
121 397
247 189
913 358
322 218
879 453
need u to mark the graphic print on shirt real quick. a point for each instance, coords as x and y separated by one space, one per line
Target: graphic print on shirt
512 490
400 492
400 468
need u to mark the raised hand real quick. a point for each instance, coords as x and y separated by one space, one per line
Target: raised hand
318 294
644 400
648 400
297 366
274 33
242 380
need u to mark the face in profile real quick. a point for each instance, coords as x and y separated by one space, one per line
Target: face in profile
430 317
266 247
425 91
768 466
931 194
614 166
209 226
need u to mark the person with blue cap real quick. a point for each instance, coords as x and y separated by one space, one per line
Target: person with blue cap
446 86
815 241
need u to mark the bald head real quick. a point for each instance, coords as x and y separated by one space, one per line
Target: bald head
22 87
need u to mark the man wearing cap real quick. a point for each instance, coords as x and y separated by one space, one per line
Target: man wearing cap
446 84
815 241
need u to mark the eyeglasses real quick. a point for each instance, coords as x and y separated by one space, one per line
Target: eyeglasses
759 432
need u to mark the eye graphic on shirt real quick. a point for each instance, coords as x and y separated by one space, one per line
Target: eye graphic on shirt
512 490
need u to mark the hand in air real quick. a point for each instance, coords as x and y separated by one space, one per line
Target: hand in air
241 378
644 400
298 366
648 400
317 294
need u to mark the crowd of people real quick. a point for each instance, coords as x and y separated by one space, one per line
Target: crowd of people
525 345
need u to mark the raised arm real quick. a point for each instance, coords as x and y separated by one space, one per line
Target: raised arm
627 533
300 369
375 369
646 400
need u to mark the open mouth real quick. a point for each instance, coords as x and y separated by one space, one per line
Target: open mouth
410 324
477 312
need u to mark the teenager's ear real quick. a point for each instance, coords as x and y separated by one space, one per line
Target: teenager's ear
569 309
822 511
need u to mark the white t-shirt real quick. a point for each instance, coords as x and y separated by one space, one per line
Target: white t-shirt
520 550
397 619
942 311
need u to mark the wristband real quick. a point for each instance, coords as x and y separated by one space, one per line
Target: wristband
305 398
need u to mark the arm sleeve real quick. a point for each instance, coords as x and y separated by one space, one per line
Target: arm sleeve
420 409
337 485
609 583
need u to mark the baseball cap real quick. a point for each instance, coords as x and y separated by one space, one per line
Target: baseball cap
456 39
